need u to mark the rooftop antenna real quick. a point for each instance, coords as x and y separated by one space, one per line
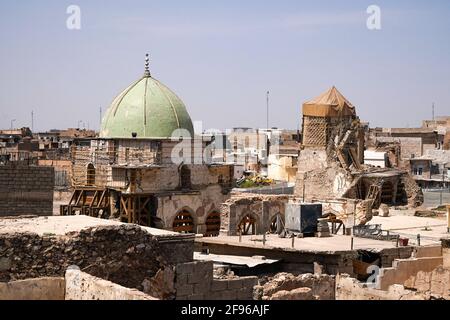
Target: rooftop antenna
32 121
100 122
432 111
267 111
147 62
12 122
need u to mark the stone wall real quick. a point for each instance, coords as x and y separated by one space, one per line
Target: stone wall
436 283
324 183
348 288
82 286
194 281
388 255
26 190
126 254
46 288
199 204
263 208
409 145
403 269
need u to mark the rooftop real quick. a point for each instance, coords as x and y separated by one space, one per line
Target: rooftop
60 225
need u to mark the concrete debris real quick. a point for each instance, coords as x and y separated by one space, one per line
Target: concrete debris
321 286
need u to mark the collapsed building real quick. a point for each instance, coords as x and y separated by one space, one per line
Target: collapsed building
145 167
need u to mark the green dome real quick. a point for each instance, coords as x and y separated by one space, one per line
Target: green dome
147 108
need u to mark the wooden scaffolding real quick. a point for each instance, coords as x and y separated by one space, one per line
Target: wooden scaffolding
88 201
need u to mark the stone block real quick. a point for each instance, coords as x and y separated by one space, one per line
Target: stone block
245 294
185 268
196 297
202 287
235 284
219 285
185 290
229 295
249 282
181 279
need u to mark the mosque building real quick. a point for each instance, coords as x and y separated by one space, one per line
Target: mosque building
145 167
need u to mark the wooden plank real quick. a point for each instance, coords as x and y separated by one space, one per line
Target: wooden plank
93 199
79 197
101 198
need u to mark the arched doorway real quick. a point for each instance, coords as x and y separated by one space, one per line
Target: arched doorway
276 223
212 224
183 222
90 175
247 225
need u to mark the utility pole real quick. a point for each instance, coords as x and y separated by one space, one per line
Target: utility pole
12 121
432 111
267 105
32 121
100 122
442 186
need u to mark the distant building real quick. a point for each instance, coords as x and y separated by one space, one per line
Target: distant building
376 158
414 142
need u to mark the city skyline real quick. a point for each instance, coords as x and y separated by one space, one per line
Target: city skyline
222 58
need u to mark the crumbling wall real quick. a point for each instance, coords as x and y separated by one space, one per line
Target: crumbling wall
326 183
348 288
435 283
194 281
46 288
286 286
403 269
26 190
126 254
263 208
83 286
413 191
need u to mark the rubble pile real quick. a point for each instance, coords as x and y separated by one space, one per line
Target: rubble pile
288 286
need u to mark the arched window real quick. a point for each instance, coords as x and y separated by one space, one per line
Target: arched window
212 224
276 223
247 225
183 222
90 175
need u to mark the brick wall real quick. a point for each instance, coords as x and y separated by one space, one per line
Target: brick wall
194 281
26 190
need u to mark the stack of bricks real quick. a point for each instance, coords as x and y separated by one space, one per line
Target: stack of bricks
194 281
26 190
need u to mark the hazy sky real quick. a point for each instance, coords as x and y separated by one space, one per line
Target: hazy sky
221 57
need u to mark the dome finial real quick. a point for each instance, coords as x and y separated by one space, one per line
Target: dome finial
147 70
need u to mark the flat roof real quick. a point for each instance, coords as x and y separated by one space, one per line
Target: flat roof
233 260
60 225
405 225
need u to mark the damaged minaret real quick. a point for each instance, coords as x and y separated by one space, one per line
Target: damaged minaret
332 144
331 164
